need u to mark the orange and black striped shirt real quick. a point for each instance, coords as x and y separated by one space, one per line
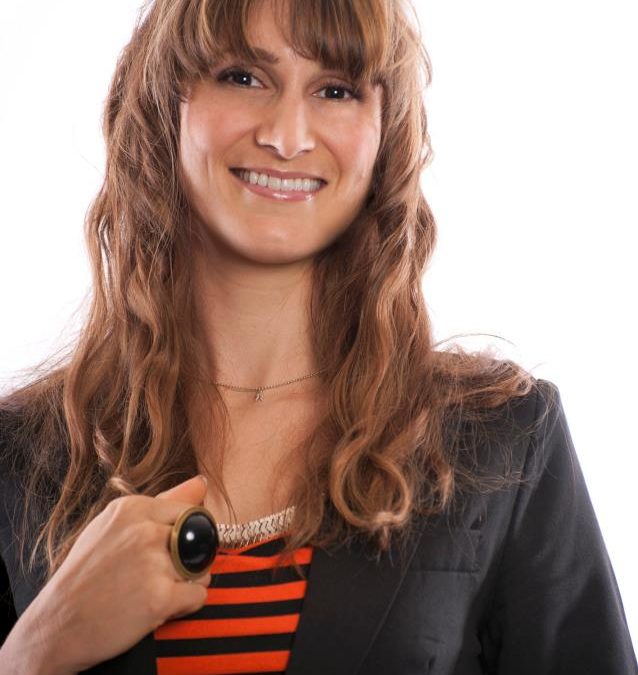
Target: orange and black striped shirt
250 618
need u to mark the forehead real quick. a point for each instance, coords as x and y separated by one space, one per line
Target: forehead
337 35
266 21
267 35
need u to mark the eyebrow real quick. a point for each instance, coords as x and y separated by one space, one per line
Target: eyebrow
265 55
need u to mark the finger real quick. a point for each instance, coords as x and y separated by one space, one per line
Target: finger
170 504
167 506
188 598
166 513
204 580
192 491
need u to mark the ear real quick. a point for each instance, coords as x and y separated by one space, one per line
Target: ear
185 92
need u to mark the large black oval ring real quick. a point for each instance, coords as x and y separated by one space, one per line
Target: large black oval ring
194 542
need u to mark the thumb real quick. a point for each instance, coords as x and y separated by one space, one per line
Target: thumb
191 491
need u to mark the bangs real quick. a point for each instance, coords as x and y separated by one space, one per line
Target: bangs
352 36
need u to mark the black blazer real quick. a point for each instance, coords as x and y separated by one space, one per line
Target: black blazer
517 582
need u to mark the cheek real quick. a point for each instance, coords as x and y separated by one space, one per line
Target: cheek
208 131
357 150
355 145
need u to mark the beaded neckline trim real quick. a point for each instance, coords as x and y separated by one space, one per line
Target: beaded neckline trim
244 534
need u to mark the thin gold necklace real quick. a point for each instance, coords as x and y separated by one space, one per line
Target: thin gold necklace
259 390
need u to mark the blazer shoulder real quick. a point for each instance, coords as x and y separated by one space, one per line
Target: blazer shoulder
542 417
498 442
13 441
530 412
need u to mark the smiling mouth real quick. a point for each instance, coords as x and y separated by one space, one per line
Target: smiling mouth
278 189
278 184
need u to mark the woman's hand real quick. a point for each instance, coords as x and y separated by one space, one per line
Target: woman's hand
118 582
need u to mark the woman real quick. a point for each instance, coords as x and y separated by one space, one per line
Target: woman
258 247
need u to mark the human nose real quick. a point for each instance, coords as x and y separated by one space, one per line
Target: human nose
286 127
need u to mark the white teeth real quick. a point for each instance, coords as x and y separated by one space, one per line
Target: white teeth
283 185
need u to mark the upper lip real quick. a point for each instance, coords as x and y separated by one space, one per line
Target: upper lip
279 174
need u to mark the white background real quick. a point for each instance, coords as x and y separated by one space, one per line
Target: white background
532 115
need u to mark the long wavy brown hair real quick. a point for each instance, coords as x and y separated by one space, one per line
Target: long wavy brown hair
111 418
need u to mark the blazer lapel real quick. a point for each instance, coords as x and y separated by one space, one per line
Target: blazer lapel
346 602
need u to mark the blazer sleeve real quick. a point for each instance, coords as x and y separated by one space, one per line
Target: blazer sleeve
8 616
8 613
556 607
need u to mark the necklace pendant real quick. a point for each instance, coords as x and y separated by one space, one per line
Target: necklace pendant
259 396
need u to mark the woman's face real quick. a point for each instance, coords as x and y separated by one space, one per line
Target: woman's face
289 119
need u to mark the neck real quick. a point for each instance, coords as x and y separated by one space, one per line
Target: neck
255 321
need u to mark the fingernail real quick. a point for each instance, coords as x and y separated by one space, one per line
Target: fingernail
201 475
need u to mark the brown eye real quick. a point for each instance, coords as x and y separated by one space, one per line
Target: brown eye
238 77
339 92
